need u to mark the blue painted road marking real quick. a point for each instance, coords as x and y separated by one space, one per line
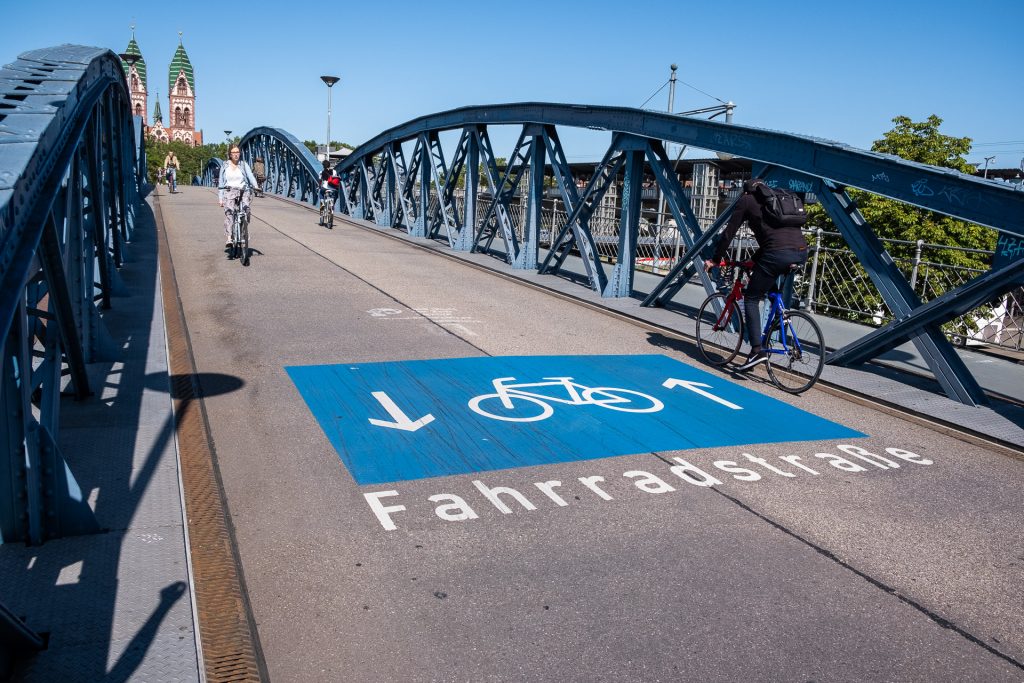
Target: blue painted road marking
414 419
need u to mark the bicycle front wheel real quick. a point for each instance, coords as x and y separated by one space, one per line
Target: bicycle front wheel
243 240
796 352
719 329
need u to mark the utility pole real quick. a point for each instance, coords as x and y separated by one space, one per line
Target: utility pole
661 192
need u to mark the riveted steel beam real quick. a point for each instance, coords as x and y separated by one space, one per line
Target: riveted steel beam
943 190
68 180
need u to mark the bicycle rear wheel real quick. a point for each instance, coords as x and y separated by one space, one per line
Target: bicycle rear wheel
719 329
798 367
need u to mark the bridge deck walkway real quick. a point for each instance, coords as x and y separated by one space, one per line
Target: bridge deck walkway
761 559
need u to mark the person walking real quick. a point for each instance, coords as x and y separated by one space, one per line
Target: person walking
259 169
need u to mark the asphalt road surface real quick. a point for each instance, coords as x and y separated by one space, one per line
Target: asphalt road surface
786 538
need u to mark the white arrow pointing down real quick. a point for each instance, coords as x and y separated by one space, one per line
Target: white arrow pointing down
401 420
692 386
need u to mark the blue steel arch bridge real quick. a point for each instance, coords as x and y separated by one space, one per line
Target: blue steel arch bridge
72 162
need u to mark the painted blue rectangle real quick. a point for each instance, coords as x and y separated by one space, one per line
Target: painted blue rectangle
413 419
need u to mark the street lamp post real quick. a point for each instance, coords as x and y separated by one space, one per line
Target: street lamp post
987 161
130 60
330 81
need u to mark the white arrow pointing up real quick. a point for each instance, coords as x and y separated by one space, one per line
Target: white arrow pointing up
401 420
692 386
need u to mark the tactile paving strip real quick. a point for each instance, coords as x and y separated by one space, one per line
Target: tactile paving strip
227 632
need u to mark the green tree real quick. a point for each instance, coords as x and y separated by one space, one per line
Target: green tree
893 220
311 145
890 219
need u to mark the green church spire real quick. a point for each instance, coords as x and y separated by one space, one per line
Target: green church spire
179 63
140 65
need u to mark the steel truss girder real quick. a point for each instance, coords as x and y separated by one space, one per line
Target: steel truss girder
498 218
947 192
66 219
936 189
405 216
954 377
939 310
692 259
443 180
292 170
576 230
380 195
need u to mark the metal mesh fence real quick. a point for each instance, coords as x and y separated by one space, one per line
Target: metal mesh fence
833 283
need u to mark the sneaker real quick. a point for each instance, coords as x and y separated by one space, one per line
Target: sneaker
753 360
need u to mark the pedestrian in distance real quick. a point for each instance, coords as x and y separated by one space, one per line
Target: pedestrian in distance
259 169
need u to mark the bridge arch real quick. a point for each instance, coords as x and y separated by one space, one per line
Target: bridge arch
402 178
72 164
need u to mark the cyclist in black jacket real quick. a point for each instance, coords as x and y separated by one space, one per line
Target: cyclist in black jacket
778 250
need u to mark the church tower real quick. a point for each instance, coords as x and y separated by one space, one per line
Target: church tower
135 73
181 84
157 130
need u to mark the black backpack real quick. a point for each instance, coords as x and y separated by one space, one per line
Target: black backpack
780 208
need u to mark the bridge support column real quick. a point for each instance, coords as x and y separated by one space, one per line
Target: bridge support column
464 242
620 282
526 258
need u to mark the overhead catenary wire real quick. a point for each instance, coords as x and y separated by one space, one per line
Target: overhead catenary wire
654 94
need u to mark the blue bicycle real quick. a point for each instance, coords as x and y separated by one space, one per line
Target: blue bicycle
792 339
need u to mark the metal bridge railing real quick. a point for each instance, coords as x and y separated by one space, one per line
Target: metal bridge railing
70 153
468 196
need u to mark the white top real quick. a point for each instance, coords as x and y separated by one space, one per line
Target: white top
234 178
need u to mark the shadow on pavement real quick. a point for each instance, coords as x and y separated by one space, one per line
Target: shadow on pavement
109 599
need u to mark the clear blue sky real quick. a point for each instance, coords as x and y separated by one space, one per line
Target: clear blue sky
837 70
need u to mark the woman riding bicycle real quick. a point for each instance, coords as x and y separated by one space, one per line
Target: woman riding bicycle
234 191
779 249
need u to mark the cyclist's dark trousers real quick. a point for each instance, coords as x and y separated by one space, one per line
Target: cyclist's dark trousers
768 268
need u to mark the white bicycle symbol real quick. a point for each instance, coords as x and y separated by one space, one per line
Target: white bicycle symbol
509 400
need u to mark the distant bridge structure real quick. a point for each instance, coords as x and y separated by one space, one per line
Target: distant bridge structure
404 178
